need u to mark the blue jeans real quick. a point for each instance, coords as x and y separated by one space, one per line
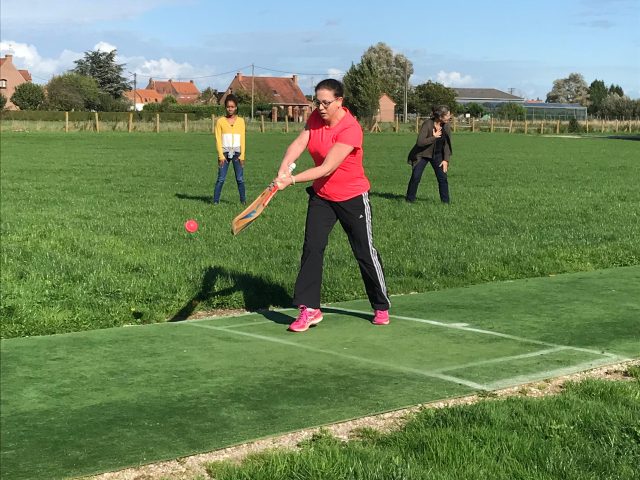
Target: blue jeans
222 175
416 176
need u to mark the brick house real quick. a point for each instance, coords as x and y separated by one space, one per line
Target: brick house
283 93
184 92
10 78
386 109
142 97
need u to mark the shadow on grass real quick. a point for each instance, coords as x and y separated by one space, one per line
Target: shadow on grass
339 311
200 198
257 294
386 195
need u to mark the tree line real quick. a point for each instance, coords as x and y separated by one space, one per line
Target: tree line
96 83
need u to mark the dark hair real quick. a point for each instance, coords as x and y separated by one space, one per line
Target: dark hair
332 85
439 111
231 97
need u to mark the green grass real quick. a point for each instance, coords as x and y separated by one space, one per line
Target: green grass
92 235
590 431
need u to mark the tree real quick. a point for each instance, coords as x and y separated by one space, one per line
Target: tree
511 111
616 106
428 95
572 89
103 68
363 89
393 70
3 102
474 109
597 94
617 89
208 96
72 91
28 96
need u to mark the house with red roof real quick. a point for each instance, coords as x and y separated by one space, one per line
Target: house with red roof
140 97
283 93
184 92
10 78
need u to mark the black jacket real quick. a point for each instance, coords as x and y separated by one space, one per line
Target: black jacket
426 141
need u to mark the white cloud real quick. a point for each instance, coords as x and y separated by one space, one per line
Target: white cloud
454 79
104 47
27 57
165 68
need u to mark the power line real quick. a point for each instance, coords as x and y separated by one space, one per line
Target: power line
292 72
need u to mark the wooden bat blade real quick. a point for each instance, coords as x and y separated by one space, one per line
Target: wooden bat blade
249 214
253 211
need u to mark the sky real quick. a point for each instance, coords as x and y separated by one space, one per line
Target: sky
518 46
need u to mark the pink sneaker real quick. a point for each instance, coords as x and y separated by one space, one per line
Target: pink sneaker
381 317
308 317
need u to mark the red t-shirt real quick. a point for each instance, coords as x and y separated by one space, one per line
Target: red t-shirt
348 180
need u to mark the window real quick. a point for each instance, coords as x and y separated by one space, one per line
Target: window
3 83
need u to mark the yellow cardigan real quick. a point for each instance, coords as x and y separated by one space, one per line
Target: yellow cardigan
230 138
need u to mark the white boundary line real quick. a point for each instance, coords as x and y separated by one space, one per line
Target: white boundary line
425 373
495 334
537 353
557 372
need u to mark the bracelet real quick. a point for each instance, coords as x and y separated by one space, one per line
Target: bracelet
293 180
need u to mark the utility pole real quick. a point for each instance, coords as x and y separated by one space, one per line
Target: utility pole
405 91
135 87
253 83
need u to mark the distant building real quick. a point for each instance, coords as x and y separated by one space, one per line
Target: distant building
184 92
282 93
386 109
10 78
537 110
140 97
489 98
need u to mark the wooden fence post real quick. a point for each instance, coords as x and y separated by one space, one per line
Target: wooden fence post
617 124
417 123
66 122
542 128
398 124
455 125
262 123
186 128
491 124
130 122
525 126
602 126
586 124
157 123
213 123
558 127
511 126
629 129
97 123
286 123
473 125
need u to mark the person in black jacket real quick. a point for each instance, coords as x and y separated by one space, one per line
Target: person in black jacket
432 146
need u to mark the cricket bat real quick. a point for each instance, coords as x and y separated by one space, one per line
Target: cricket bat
253 211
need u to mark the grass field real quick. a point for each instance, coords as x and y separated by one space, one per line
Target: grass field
86 402
92 233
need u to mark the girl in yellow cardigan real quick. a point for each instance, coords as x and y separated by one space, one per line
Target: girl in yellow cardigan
230 138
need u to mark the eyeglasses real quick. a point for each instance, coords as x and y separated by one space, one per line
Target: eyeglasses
324 103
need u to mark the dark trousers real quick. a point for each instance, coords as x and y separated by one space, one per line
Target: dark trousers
416 176
355 217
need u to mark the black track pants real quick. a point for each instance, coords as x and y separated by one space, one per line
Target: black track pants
355 217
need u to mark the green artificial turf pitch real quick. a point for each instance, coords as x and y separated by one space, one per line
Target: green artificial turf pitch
82 403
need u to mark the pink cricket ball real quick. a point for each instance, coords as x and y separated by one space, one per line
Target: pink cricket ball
191 226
